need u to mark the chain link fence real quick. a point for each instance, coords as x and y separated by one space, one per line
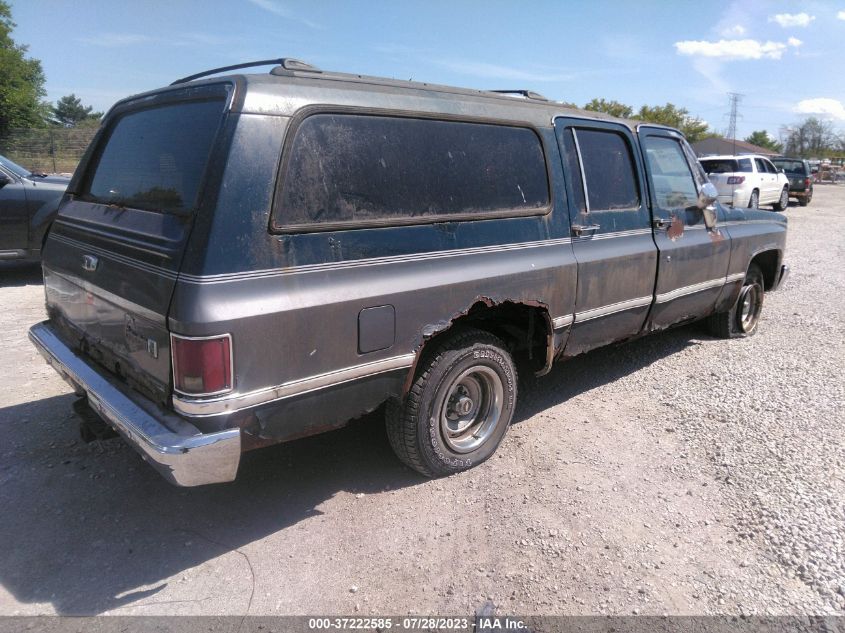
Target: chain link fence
47 150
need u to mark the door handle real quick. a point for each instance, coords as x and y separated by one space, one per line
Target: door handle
580 229
662 223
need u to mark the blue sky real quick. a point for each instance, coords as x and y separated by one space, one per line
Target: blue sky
786 58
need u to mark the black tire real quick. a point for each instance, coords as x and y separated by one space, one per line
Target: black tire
434 430
754 200
743 318
783 201
805 200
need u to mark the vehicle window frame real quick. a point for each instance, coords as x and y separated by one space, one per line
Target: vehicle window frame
631 156
280 228
6 169
770 166
680 141
209 92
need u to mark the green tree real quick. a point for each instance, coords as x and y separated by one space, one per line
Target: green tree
812 138
69 112
761 138
21 81
613 108
693 128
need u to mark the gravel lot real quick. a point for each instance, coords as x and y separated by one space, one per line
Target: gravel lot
676 474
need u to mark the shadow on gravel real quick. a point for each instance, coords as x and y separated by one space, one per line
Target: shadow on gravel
88 529
20 274
600 367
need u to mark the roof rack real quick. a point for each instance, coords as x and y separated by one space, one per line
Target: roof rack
528 94
284 64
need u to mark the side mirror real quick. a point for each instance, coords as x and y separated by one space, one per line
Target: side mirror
706 197
4 180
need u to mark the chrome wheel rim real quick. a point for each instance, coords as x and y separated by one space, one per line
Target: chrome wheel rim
754 201
784 199
749 307
472 408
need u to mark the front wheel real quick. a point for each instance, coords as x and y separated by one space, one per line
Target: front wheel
459 406
783 201
744 317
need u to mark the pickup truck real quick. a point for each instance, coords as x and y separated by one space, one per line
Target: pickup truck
247 259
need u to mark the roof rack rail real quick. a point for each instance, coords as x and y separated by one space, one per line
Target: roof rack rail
528 94
286 63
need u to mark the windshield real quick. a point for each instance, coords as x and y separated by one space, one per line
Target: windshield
14 167
719 166
155 159
790 166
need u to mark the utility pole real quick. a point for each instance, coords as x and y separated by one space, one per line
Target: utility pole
735 98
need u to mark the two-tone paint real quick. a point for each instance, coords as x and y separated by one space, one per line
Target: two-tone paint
327 325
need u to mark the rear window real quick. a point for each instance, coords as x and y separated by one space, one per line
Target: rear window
790 166
350 169
720 166
155 159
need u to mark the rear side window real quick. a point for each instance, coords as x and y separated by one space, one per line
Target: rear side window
351 169
791 166
608 170
155 159
761 166
745 165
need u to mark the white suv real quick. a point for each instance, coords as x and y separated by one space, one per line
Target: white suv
747 181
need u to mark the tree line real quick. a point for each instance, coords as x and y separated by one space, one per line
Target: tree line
22 105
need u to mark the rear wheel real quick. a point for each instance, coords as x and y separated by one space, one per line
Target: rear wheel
783 201
459 406
744 317
754 201
805 200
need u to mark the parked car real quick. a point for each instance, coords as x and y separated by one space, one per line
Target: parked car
253 258
800 177
28 203
747 181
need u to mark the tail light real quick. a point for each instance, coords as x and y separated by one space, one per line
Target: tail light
736 180
806 183
202 366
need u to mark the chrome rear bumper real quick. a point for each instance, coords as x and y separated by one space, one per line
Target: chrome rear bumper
177 450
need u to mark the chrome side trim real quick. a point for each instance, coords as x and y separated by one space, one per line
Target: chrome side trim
735 277
176 449
562 321
614 234
121 259
683 291
204 407
613 308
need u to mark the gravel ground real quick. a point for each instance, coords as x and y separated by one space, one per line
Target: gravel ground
676 474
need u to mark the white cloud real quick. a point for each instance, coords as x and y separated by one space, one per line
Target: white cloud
284 12
737 30
114 40
731 49
840 15
794 42
787 20
823 106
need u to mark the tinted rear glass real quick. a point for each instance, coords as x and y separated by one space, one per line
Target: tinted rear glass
719 166
790 166
608 170
346 169
155 159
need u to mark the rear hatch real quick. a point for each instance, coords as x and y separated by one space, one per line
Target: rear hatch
113 254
